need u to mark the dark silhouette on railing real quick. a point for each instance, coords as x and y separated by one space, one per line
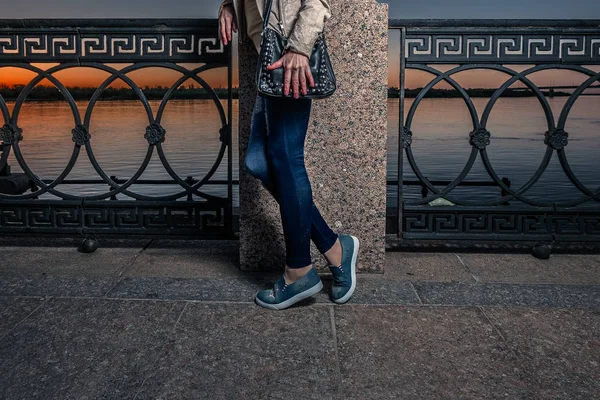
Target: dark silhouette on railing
96 44
491 45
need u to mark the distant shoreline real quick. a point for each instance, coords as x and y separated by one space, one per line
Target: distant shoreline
50 93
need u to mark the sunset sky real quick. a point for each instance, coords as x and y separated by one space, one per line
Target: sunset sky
518 9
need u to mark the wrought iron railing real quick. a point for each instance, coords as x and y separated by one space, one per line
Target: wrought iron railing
97 44
513 216
496 45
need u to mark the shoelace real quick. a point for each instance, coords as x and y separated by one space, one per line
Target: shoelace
339 279
285 285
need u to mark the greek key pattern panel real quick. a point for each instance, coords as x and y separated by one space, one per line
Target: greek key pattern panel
517 225
188 220
503 48
107 47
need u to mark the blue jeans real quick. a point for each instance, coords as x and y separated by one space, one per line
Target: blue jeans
276 156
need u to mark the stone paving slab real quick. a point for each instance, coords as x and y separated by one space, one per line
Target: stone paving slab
523 268
14 310
234 351
214 246
433 326
201 258
98 348
207 289
424 353
510 295
41 285
76 349
559 348
66 260
381 291
425 267
244 289
370 290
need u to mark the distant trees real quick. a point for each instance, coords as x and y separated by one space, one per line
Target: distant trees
51 93
394 92
190 92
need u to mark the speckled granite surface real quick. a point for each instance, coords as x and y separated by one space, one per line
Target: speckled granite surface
262 247
345 151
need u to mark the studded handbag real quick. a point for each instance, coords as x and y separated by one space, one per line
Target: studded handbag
272 45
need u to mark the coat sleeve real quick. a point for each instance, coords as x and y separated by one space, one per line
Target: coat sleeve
310 22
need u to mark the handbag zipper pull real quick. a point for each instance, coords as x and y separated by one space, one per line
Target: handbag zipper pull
281 18
281 27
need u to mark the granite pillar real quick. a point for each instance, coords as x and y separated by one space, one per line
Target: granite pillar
345 152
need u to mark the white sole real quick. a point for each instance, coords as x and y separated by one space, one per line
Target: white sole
292 300
347 296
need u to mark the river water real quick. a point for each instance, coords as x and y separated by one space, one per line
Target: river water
440 144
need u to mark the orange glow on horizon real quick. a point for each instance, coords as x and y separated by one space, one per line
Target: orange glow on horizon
152 77
92 77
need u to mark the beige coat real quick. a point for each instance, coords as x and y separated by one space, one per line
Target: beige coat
301 20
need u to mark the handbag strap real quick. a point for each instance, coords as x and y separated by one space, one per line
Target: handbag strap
267 14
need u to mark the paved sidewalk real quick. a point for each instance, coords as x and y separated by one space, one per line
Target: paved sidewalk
157 319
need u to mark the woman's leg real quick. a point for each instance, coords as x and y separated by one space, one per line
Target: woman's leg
255 160
287 124
257 164
276 156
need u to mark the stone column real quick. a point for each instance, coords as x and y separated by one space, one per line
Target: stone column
345 151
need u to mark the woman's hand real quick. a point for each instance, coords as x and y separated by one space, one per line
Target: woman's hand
226 24
297 72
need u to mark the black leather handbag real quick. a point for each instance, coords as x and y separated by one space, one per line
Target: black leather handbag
272 45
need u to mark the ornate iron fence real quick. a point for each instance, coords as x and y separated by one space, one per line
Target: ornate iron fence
96 44
513 217
483 44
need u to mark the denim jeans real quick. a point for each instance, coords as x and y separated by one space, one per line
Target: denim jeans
276 156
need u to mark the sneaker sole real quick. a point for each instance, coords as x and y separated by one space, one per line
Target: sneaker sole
292 300
347 296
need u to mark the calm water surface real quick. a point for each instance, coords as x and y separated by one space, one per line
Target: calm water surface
440 144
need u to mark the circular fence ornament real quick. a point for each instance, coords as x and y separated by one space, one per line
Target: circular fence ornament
480 138
80 135
155 133
557 139
9 134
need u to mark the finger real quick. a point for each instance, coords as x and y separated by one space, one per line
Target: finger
295 83
275 65
223 34
228 29
234 26
286 80
311 80
303 82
